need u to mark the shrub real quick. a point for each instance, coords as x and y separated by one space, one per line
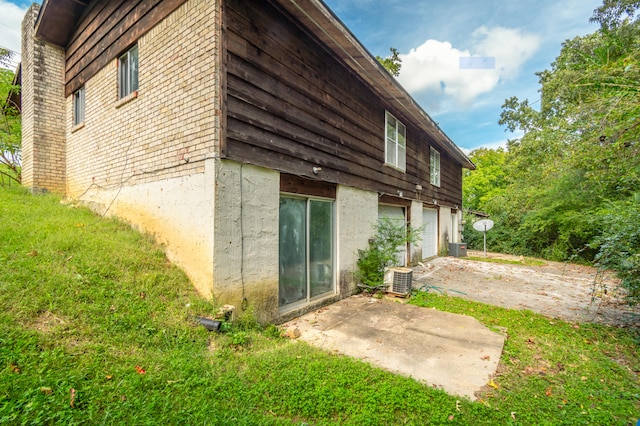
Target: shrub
390 237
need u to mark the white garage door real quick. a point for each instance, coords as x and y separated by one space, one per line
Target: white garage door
397 214
429 233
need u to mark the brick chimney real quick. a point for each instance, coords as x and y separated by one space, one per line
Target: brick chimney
43 111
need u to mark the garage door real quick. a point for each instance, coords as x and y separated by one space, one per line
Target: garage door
429 233
396 214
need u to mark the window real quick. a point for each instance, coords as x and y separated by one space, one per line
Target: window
305 250
396 143
78 106
128 72
434 167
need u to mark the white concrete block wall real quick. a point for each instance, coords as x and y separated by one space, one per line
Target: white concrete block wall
444 219
415 221
246 237
356 213
178 212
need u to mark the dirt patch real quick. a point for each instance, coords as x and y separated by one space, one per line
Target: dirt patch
47 322
556 290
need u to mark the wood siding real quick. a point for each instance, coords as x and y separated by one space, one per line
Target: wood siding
106 29
292 106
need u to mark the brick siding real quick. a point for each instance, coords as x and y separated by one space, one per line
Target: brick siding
173 123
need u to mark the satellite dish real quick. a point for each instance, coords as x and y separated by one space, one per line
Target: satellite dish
483 225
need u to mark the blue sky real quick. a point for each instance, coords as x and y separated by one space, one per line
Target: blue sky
523 36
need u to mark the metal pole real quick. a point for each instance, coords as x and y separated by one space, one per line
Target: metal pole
485 241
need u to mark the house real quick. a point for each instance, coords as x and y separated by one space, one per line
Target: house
258 140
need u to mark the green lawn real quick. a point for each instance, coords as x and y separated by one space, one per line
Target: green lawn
97 327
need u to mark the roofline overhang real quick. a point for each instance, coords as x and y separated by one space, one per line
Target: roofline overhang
57 18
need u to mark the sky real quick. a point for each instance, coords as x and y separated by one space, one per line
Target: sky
511 41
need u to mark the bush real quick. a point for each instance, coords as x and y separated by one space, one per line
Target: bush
620 246
390 237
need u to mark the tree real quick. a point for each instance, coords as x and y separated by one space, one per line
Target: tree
392 63
612 13
570 187
10 126
487 181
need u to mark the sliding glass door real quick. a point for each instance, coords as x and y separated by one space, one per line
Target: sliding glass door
306 250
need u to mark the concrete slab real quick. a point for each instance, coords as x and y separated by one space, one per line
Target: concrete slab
452 352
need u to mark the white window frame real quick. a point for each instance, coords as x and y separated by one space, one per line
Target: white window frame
434 167
395 146
128 72
78 106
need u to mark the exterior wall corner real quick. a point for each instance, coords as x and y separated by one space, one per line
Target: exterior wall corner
43 112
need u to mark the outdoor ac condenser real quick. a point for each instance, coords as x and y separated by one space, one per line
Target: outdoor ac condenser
400 281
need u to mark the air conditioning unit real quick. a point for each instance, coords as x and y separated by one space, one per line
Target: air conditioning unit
400 281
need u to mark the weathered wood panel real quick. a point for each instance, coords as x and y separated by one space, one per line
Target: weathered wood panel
106 30
297 185
292 105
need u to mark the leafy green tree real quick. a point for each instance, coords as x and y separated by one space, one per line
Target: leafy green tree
570 187
619 247
392 63
487 181
10 126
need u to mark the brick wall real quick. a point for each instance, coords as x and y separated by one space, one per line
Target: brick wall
170 127
43 113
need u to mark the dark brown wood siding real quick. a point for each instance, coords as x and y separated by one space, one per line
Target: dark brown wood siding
106 29
293 106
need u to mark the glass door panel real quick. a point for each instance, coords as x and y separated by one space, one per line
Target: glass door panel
320 247
293 243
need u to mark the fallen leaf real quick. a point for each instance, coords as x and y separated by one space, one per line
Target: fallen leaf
486 358
140 370
46 390
32 253
14 368
548 391
72 397
583 378
109 377
493 384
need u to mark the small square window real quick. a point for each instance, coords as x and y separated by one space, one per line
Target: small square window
78 106
395 142
128 72
434 167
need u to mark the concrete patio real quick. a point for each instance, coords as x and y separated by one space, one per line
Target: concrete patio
452 352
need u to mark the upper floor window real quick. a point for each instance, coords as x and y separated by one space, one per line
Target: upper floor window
396 142
434 167
128 72
78 106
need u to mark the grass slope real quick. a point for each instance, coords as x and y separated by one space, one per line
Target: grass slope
96 327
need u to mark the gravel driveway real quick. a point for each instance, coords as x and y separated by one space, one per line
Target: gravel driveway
556 290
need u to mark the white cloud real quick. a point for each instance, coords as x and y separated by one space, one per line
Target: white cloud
10 23
432 70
